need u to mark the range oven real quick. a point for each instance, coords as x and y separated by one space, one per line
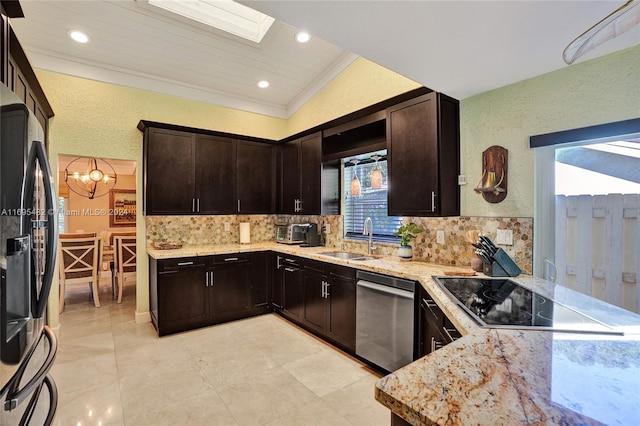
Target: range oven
384 320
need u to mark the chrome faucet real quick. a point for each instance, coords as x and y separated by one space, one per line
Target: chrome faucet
370 246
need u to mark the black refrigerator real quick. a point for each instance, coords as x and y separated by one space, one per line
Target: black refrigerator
28 245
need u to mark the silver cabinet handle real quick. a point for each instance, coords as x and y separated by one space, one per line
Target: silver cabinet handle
185 263
238 205
230 259
433 200
206 274
300 208
326 290
278 264
198 205
323 289
429 303
289 269
193 205
289 260
448 332
211 280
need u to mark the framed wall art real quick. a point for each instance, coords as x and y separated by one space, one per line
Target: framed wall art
122 207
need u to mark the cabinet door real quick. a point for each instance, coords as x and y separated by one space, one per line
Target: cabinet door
215 161
412 137
310 174
290 178
293 302
169 171
315 302
342 310
230 291
182 299
260 279
255 177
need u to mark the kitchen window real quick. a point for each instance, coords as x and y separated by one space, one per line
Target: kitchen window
372 199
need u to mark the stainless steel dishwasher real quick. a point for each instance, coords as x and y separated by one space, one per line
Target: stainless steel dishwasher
384 320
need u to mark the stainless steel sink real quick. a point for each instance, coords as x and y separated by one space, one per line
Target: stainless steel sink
347 255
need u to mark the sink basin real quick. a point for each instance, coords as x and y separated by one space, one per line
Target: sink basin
346 255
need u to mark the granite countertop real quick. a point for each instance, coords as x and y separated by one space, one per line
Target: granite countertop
499 376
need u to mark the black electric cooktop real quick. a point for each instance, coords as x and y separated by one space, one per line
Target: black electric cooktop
502 303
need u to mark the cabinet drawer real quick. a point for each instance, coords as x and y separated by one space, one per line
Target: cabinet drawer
433 310
165 265
449 331
225 259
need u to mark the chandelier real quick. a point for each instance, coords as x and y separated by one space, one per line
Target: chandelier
90 177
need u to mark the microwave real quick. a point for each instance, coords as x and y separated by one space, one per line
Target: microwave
291 234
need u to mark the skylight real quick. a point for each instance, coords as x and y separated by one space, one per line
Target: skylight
225 15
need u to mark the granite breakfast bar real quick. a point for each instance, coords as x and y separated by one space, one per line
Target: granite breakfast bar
499 376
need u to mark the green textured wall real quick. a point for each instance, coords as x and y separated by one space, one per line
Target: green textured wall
602 90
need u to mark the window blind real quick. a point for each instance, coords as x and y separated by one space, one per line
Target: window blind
371 203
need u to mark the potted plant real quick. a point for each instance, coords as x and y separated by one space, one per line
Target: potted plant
406 233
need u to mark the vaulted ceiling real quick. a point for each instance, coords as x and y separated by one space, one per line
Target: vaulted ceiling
460 48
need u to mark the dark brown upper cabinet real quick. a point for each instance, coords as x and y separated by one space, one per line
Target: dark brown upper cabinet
256 178
186 172
169 172
423 156
301 176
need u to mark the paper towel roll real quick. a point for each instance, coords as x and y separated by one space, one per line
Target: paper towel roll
245 233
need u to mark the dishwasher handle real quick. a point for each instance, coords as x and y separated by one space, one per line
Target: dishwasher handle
386 289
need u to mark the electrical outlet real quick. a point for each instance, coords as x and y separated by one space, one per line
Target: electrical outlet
462 179
327 228
440 236
227 227
504 237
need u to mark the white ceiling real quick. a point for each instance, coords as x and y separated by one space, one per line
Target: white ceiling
134 45
460 48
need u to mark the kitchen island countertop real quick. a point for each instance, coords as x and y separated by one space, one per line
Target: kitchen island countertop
499 376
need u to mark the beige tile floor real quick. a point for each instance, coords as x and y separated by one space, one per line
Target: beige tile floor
257 371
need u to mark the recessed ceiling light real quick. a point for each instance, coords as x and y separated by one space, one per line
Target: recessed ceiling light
303 37
263 84
79 36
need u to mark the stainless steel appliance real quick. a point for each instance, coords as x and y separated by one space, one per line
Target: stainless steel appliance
503 303
311 236
384 320
28 243
291 234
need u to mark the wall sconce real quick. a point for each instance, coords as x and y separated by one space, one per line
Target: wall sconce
355 182
376 174
90 177
493 183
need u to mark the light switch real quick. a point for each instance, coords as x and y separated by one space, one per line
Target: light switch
504 237
440 236
462 179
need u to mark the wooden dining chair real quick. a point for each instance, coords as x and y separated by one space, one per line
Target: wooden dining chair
114 253
78 259
125 261
68 235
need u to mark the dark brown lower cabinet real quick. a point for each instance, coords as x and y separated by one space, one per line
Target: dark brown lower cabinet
434 328
341 321
187 293
330 302
230 287
178 294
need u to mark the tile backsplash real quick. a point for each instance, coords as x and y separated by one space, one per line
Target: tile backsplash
456 251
